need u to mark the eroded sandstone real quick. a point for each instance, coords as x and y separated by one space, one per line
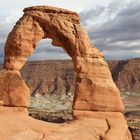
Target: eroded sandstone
94 81
13 90
88 126
94 89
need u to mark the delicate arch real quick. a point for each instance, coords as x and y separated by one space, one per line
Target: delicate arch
94 82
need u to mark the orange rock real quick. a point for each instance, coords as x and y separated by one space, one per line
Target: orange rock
13 90
1 103
88 126
117 125
95 89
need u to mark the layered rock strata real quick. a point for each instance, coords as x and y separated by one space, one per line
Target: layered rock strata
58 76
94 88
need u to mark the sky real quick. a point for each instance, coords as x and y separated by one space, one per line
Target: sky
113 26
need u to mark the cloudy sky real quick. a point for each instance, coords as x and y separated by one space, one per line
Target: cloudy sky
113 26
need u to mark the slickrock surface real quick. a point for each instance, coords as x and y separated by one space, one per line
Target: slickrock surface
88 125
94 88
13 90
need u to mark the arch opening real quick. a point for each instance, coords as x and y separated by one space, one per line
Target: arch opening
50 77
46 51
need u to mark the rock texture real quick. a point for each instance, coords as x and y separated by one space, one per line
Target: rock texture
126 74
94 88
88 125
62 26
133 119
13 90
58 76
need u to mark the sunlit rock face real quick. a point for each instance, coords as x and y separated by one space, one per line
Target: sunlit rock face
94 88
13 90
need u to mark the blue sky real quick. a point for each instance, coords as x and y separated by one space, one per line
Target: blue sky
113 26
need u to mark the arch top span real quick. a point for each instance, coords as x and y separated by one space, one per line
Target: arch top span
94 88
38 22
51 9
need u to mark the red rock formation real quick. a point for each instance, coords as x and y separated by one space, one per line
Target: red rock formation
126 74
94 82
87 126
13 90
95 89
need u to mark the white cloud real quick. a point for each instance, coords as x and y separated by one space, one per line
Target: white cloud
48 56
44 50
118 35
13 16
113 25
123 54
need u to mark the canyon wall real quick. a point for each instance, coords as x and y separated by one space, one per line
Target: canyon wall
58 76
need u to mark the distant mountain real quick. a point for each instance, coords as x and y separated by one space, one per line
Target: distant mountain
52 76
58 76
126 74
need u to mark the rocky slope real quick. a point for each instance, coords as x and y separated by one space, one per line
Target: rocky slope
58 76
133 120
52 76
126 74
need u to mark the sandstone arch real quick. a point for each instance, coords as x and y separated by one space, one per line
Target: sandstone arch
95 89
96 96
